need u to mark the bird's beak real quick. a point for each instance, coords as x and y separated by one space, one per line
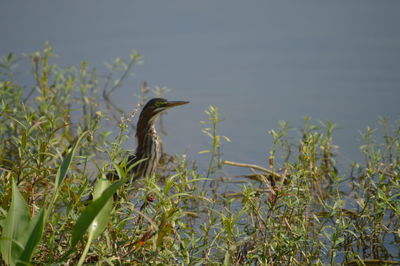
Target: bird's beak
175 103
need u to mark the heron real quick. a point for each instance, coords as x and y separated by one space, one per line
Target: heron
148 142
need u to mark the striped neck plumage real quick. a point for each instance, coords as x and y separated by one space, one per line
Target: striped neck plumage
148 147
146 134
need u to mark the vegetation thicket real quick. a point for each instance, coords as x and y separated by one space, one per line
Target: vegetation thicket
56 148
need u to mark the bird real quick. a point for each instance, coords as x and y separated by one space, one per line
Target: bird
148 142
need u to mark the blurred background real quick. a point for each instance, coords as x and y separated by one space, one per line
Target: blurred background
257 61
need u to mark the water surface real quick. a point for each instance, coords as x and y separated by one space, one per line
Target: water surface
258 61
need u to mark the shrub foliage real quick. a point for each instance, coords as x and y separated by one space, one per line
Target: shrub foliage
302 209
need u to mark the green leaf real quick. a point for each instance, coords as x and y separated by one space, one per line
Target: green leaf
62 171
101 220
16 222
9 56
227 258
35 232
91 212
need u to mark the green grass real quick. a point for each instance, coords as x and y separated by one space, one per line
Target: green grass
303 209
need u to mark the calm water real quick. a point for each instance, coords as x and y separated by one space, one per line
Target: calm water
258 61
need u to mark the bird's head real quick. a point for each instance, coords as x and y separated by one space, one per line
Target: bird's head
156 106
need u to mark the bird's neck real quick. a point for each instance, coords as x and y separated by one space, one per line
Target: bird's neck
147 138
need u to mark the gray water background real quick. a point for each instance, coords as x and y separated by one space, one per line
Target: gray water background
258 61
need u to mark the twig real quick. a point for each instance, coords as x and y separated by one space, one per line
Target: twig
256 167
240 194
107 94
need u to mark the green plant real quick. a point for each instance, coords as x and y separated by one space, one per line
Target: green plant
56 148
